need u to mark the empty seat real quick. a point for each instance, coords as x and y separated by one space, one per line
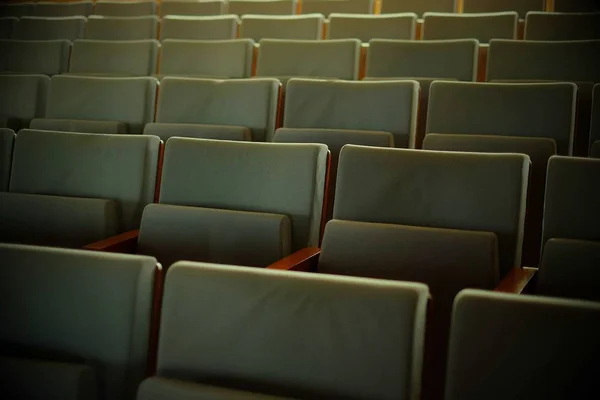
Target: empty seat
554 340
7 139
453 59
576 6
311 58
296 27
121 28
522 7
99 105
595 118
17 10
210 59
22 98
193 8
367 27
222 27
327 7
483 27
7 26
562 26
66 338
418 7
249 104
48 57
63 9
125 8
114 58
389 106
262 7
53 28
312 362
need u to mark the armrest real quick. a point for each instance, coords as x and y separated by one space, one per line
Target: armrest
517 280
125 242
303 260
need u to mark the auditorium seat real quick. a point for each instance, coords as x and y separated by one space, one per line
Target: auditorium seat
418 7
295 346
54 28
562 26
210 59
71 189
366 27
327 7
114 58
262 7
285 59
576 6
17 10
22 98
7 140
388 106
482 27
63 9
498 337
99 104
48 57
7 26
221 27
293 27
125 8
522 7
122 28
75 324
192 8
211 109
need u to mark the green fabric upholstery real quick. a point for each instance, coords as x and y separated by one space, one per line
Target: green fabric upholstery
595 152
17 10
192 8
7 140
22 98
388 106
286 179
210 58
562 26
66 9
118 58
125 9
522 7
7 26
295 345
309 58
327 7
83 126
264 7
91 307
39 28
417 6
217 132
576 6
174 233
482 27
48 57
455 59
497 337
122 28
122 168
367 27
251 103
218 27
288 27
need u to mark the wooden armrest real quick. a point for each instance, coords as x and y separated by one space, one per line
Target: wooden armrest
125 242
303 260
517 280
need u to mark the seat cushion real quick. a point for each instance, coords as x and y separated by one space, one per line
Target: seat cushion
83 126
198 131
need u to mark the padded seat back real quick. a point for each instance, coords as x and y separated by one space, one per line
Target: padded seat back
166 130
7 26
122 28
201 173
7 141
22 98
262 7
522 7
125 8
327 7
482 27
56 28
295 27
367 27
63 9
562 26
417 6
221 27
193 8
576 6
18 10
68 317
48 57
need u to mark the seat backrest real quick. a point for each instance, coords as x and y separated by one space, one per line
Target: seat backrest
114 167
572 198
455 59
22 98
562 26
220 27
262 7
18 10
388 106
127 100
519 109
544 60
522 7
254 182
251 103
309 58
122 28
554 341
295 27
67 316
193 8
7 26
417 6
312 361
63 9
7 140
48 57
576 6
125 8
482 27
327 7
595 120
207 58
468 191
55 28
366 27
